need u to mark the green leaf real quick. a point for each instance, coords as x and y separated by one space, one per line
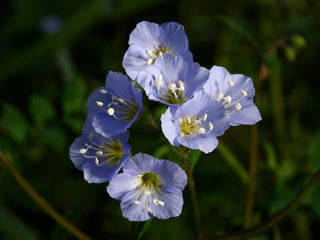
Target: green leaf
138 228
194 156
14 122
313 151
74 95
56 138
41 109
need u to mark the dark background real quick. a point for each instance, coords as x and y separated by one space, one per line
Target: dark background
47 73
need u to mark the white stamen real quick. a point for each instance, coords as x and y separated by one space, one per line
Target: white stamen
110 111
149 210
160 53
188 120
228 99
99 153
205 116
103 91
180 119
244 93
135 202
219 96
147 193
238 106
155 202
161 203
181 85
210 126
100 104
149 52
182 134
230 83
83 151
149 61
201 130
96 161
172 86
159 81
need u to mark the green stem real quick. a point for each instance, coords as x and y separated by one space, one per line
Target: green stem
195 208
41 201
273 220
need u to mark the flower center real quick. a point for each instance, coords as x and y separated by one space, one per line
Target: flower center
173 93
108 152
150 180
155 53
119 108
194 126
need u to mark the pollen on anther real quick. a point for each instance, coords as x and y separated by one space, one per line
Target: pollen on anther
96 161
135 202
103 91
100 104
161 203
181 85
219 96
83 150
99 153
159 81
230 83
244 93
205 116
147 193
149 51
172 86
210 126
238 106
110 111
149 61
228 99
201 130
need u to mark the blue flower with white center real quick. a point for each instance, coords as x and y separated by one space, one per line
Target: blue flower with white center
148 41
116 106
235 92
149 187
100 158
196 124
172 80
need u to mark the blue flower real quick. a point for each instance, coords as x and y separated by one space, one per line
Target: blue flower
235 92
172 80
100 158
149 187
196 123
116 106
148 41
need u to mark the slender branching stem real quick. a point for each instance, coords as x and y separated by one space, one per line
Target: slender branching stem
273 220
40 200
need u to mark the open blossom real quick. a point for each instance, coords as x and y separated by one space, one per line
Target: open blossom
235 92
196 124
149 187
100 158
116 106
148 41
172 80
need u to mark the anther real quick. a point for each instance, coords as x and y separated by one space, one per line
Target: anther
230 83
135 202
83 150
149 210
120 100
244 93
99 153
155 202
210 126
228 99
159 81
160 53
181 85
90 136
238 106
201 130
149 52
96 161
149 61
219 96
161 203
100 104
205 116
110 111
103 91
188 120
147 193
172 86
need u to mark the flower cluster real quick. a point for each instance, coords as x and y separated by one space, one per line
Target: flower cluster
202 105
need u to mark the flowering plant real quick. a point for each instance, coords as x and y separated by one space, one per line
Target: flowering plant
201 105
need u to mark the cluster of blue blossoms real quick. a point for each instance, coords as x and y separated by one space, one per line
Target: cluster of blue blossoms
202 104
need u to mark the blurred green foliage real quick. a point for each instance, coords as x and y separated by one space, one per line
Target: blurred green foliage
46 77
